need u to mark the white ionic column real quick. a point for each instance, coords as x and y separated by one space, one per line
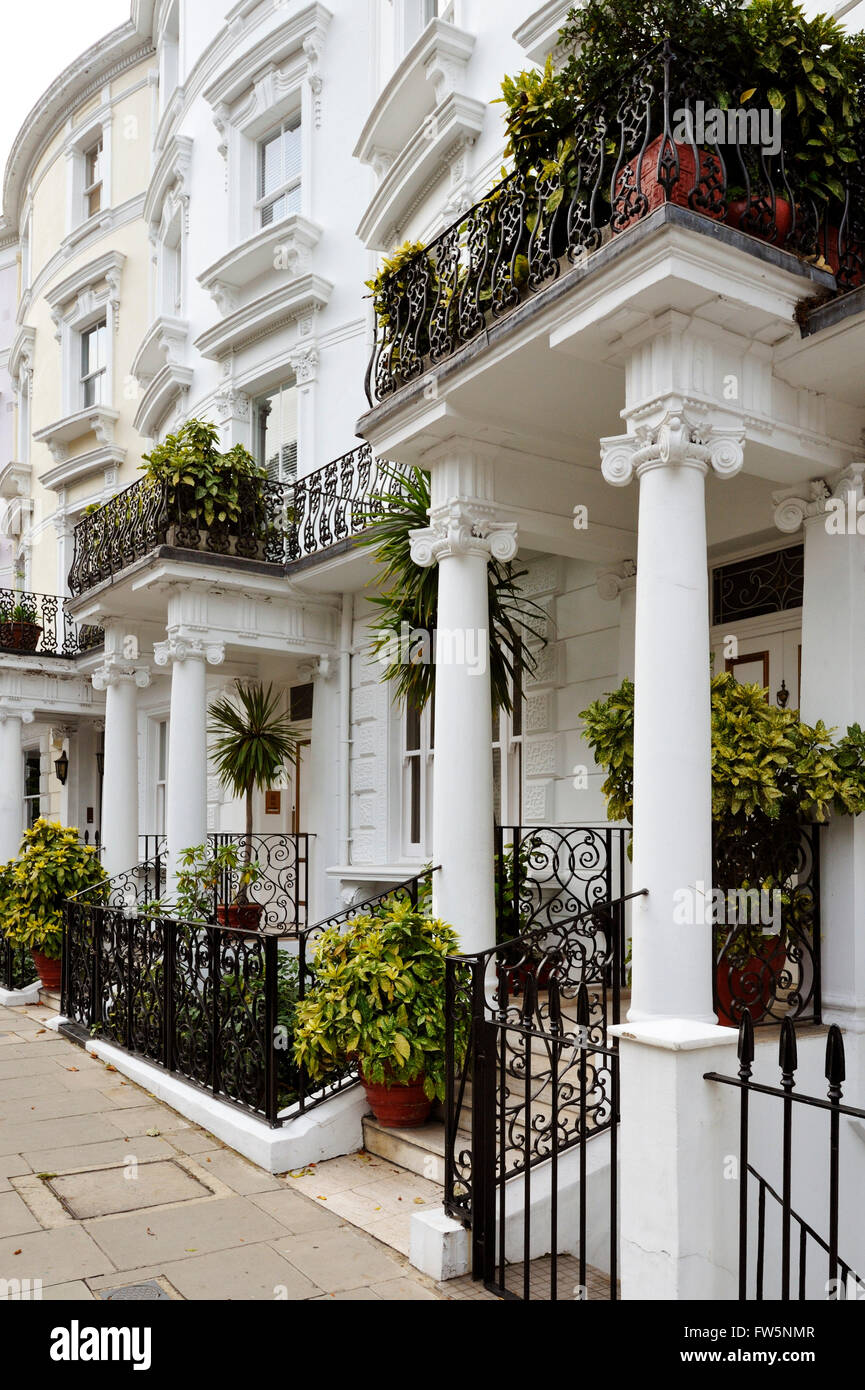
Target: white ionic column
186 793
833 682
460 540
672 959
11 781
121 683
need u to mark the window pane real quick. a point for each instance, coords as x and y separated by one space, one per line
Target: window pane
412 729
270 176
277 433
163 751
497 786
414 795
32 774
291 153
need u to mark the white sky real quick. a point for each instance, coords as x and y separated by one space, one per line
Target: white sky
39 39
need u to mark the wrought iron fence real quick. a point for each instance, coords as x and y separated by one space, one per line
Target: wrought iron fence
17 969
561 981
282 887
202 1001
282 859
212 1004
38 624
630 156
768 950
338 501
146 515
829 1276
546 874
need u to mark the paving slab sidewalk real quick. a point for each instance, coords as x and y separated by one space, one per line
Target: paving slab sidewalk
103 1186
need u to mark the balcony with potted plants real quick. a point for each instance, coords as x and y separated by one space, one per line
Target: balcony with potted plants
614 158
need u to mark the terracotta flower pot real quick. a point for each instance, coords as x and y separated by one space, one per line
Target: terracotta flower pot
828 248
49 970
752 985
247 916
20 637
400 1106
737 209
653 190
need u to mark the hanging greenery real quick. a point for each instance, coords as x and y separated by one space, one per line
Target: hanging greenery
405 627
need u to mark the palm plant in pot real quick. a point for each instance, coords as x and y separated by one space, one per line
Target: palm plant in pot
52 866
252 741
377 1000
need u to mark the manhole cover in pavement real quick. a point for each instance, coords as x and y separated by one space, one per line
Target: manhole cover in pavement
135 1292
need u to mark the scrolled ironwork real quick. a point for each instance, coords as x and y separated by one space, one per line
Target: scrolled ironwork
38 624
628 156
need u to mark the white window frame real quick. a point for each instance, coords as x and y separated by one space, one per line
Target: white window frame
92 185
99 375
294 184
34 752
259 427
160 781
169 40
242 144
417 786
80 144
170 263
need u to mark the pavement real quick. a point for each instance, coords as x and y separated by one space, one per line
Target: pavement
103 1187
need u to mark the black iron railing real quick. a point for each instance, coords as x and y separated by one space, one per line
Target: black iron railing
338 501
626 162
777 1267
37 624
147 515
282 860
772 967
562 980
209 1003
17 969
548 873
201 1001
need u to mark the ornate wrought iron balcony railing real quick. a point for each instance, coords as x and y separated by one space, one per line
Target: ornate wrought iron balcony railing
146 515
278 523
628 159
37 625
338 501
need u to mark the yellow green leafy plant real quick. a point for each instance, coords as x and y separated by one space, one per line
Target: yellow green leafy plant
377 998
52 866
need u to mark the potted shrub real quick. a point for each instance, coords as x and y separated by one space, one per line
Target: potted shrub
253 740
206 872
20 628
769 771
377 1000
213 501
52 866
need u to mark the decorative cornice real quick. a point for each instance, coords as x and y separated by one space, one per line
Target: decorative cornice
677 441
188 649
796 505
463 527
611 582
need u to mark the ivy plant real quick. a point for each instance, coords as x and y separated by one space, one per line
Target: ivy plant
377 998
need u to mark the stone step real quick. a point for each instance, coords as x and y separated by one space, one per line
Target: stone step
50 998
420 1150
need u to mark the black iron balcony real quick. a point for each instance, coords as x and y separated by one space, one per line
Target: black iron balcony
279 523
644 150
147 515
338 501
37 625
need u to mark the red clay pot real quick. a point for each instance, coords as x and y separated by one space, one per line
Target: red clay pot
752 985
398 1106
49 970
653 191
783 220
247 916
828 248
19 637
